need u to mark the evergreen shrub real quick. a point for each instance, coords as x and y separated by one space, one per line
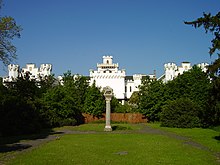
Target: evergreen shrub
181 113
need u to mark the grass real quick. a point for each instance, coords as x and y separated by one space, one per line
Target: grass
100 127
126 146
207 137
115 149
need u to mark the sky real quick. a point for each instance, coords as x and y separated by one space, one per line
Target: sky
141 35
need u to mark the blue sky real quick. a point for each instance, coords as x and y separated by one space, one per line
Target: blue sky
141 35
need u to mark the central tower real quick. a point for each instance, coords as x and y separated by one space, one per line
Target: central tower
108 74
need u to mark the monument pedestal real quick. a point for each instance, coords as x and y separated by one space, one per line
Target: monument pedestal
108 96
108 128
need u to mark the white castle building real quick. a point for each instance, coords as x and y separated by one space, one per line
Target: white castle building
171 70
109 74
35 73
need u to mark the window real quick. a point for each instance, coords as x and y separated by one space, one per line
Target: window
130 89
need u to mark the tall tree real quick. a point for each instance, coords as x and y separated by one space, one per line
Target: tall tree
210 24
8 31
151 99
94 101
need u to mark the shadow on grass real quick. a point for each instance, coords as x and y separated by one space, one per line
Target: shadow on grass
217 138
119 127
13 147
12 143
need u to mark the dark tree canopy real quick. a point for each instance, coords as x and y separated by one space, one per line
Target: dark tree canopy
8 31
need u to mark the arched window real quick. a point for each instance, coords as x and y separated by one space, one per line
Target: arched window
107 62
130 89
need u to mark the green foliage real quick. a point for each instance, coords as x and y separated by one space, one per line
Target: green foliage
46 83
8 31
194 85
213 115
210 24
41 104
62 105
94 101
181 113
114 104
126 108
135 98
152 98
18 112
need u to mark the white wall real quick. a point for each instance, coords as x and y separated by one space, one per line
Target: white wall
115 80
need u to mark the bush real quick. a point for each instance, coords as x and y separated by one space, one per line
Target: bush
17 116
67 122
126 108
181 113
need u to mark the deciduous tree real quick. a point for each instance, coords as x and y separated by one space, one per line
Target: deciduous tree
8 31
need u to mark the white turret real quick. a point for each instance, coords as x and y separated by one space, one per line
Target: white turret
203 66
107 60
108 74
170 69
45 69
34 72
13 72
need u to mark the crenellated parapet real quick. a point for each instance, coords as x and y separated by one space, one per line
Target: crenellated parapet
137 77
170 66
33 72
13 67
203 66
45 67
172 70
45 70
13 71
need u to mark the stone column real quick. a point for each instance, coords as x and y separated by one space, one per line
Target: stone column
108 97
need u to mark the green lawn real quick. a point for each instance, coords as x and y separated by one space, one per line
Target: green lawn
129 147
115 149
100 127
207 137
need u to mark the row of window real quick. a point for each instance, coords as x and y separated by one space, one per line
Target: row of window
108 71
129 89
108 67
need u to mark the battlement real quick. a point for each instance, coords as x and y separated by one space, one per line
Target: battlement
170 66
172 70
45 67
35 73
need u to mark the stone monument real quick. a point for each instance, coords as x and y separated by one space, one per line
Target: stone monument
108 92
